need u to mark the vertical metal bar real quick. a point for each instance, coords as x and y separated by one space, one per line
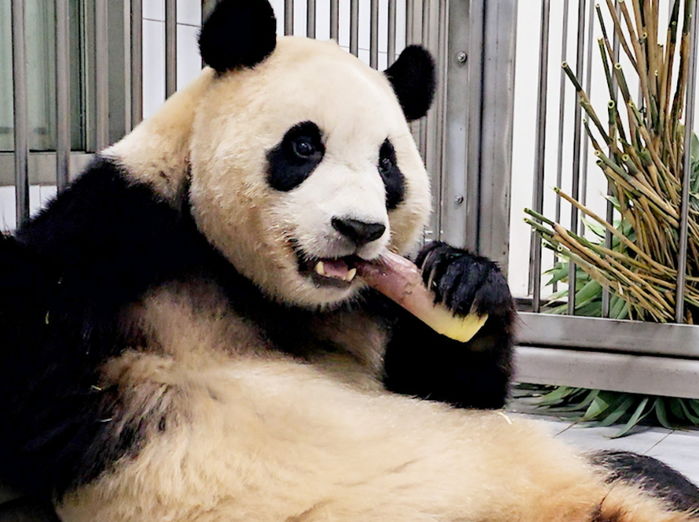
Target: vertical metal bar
288 17
19 100
374 35
456 129
409 21
606 300
311 18
62 23
137 62
540 153
101 62
354 27
335 19
170 47
476 29
561 118
686 166
391 44
577 134
588 89
500 34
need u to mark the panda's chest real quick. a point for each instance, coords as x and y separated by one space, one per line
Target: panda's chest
193 321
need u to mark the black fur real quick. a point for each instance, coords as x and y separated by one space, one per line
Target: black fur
238 33
392 177
652 475
295 157
423 363
413 78
64 283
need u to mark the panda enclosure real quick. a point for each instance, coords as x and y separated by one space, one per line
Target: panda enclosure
505 128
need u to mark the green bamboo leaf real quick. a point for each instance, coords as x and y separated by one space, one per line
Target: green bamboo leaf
636 417
693 419
622 408
599 405
556 395
661 413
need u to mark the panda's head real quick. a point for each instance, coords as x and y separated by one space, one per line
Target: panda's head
302 161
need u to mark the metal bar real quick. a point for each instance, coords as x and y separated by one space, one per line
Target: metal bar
588 89
500 34
409 21
686 166
594 333
354 27
19 103
335 19
563 82
475 118
577 132
288 17
311 18
606 296
42 165
137 62
374 35
391 44
540 153
62 23
170 47
666 376
101 61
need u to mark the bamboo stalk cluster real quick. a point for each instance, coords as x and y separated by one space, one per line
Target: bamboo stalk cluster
640 151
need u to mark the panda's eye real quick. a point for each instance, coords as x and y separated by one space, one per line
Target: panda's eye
303 147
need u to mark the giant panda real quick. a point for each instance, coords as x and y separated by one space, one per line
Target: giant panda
184 339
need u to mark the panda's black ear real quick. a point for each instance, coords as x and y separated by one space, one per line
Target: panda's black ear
413 78
238 33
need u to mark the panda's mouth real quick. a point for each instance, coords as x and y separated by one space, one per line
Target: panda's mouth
324 271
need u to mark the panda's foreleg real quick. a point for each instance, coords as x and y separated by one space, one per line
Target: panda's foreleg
423 363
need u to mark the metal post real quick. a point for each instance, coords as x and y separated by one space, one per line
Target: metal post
19 100
288 17
62 23
391 45
311 18
540 154
170 47
563 82
354 27
499 36
137 62
335 20
374 35
577 132
686 166
101 51
606 309
454 206
588 89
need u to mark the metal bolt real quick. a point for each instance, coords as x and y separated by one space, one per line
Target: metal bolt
461 57
459 200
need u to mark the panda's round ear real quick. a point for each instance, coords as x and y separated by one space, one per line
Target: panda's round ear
413 78
238 33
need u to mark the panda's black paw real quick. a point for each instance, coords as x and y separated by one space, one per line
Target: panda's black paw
464 282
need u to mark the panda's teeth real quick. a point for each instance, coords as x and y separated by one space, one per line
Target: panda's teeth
320 268
350 274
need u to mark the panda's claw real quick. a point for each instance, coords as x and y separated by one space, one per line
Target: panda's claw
464 282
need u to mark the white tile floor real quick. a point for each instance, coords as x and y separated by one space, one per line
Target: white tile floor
679 449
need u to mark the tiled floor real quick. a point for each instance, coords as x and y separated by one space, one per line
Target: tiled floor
679 449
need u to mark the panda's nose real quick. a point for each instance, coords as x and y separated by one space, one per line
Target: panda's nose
359 232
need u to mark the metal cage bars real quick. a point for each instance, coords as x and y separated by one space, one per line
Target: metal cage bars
579 171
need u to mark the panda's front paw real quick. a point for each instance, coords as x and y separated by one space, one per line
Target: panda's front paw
464 282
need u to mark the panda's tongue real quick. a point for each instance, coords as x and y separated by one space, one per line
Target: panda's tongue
336 268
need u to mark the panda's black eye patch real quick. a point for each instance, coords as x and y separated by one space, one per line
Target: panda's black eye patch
391 175
295 157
